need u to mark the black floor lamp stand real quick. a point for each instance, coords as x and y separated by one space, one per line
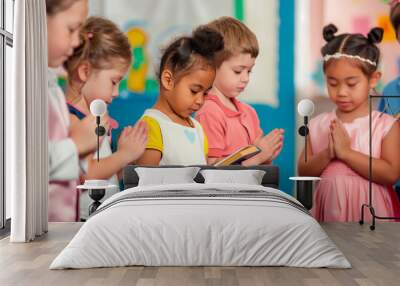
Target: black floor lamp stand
370 205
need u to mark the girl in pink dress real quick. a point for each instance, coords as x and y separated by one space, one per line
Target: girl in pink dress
339 140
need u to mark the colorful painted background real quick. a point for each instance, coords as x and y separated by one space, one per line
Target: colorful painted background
289 51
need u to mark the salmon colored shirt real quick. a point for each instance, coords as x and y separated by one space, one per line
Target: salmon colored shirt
228 130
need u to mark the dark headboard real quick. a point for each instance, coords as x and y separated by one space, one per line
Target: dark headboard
270 179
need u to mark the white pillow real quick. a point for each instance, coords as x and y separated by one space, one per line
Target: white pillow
248 177
164 176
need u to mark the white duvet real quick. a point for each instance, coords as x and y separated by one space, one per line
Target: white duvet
185 230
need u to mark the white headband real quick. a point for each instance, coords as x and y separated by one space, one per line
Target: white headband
340 55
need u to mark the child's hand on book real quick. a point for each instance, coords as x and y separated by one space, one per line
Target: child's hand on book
132 141
271 145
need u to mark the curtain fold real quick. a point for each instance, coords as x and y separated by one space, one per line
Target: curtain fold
26 124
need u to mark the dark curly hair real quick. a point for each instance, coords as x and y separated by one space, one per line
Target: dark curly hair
185 52
355 45
395 18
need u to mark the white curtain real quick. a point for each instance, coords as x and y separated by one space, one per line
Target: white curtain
26 124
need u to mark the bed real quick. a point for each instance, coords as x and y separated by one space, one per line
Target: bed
201 224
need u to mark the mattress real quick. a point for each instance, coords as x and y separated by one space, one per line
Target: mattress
201 225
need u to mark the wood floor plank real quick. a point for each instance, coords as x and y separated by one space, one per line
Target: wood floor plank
375 258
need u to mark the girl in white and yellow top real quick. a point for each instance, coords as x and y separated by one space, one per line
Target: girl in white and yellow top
187 72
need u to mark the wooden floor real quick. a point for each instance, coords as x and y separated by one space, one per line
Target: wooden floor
375 257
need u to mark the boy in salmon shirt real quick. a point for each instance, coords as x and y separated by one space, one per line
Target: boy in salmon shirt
229 123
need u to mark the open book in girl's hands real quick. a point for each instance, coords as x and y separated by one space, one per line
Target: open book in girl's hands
240 155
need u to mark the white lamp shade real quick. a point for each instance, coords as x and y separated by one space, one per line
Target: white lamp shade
98 107
305 107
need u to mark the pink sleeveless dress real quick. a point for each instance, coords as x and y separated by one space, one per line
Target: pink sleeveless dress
63 195
338 197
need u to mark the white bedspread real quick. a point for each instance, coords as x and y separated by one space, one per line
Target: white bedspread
201 230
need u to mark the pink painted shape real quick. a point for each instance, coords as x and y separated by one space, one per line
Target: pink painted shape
361 24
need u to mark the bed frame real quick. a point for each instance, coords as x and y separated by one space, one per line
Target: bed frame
270 179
